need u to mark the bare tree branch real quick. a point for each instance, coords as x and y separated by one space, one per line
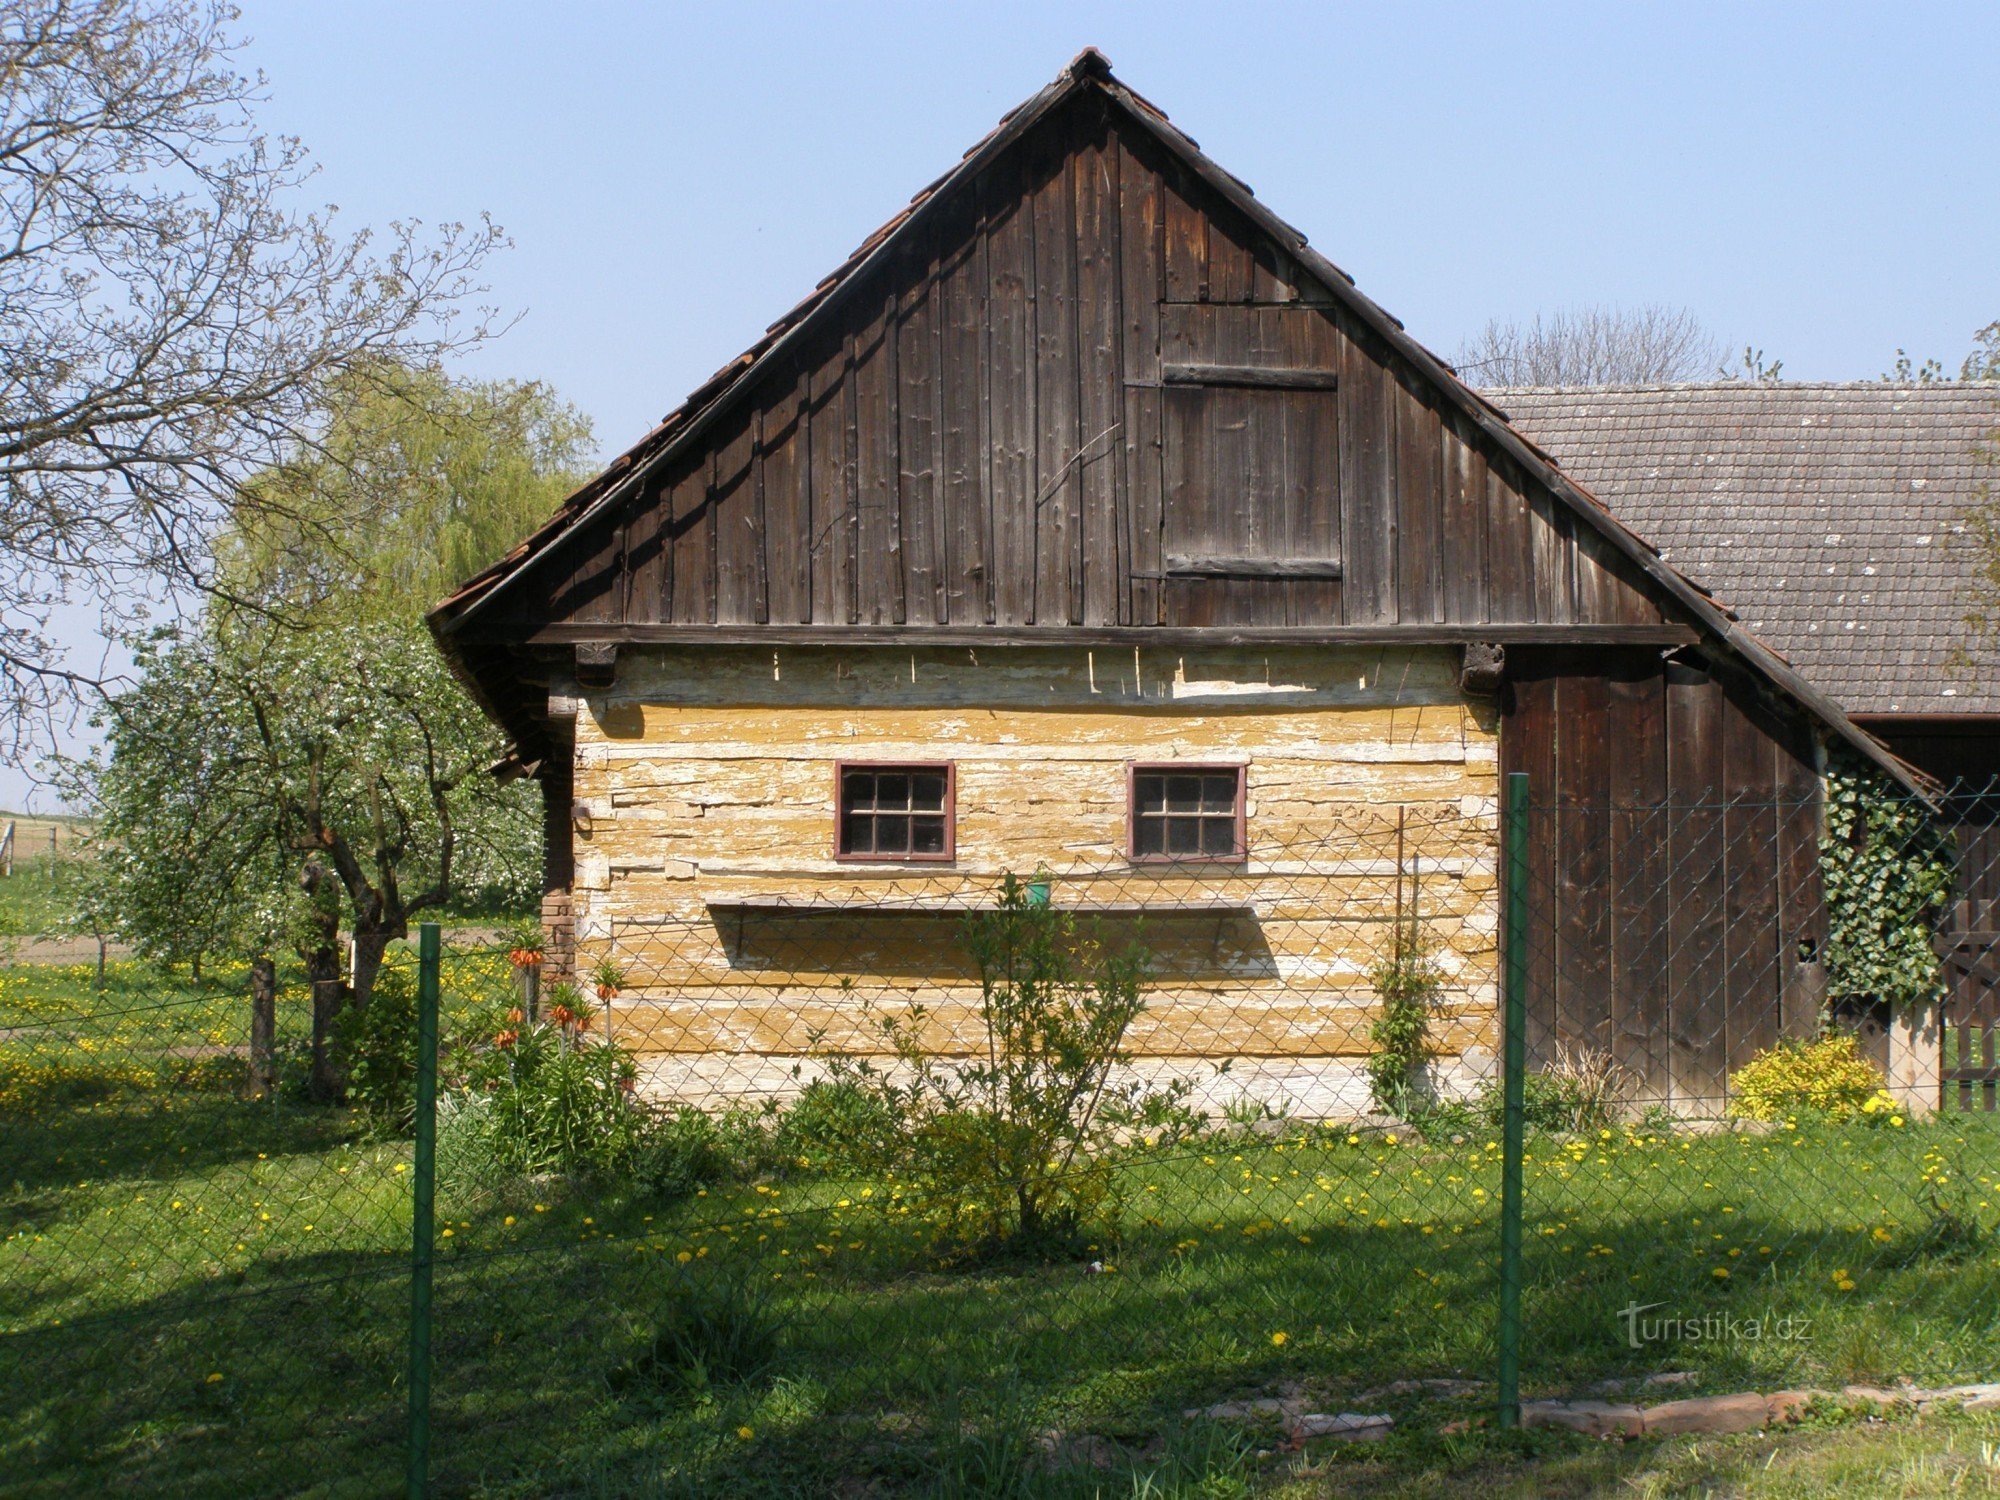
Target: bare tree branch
172 314
1649 345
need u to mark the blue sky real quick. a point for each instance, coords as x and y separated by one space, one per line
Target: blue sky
1816 180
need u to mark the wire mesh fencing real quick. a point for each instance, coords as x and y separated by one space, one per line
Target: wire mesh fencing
1759 1062
951 1178
204 1268
963 1170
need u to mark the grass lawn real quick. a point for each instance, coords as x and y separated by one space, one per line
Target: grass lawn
34 901
206 1294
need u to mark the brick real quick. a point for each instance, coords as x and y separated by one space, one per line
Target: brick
1746 1412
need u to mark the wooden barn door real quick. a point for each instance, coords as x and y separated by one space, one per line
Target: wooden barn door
1674 902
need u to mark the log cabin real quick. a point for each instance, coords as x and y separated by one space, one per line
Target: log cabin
1088 524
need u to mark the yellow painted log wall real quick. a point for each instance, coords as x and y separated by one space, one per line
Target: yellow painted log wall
706 781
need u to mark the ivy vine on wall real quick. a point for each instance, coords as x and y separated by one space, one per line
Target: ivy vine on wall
1887 870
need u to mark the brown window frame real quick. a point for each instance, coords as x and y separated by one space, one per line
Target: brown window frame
1135 769
925 767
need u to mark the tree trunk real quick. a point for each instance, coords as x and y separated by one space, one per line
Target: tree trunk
263 1026
370 943
321 952
329 1082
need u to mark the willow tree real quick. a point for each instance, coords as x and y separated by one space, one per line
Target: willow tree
299 758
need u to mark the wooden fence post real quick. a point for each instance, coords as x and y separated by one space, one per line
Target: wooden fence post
263 1026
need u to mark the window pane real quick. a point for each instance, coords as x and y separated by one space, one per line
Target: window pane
892 833
1218 835
927 835
927 791
1183 793
857 789
1151 792
1218 794
857 834
892 789
1150 836
1183 835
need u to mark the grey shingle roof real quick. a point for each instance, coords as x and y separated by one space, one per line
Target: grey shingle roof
1829 517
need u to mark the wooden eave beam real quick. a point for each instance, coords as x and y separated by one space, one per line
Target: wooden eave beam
1165 636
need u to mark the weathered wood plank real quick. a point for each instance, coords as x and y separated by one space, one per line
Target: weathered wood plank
1141 287
738 539
1368 518
965 491
1011 367
1641 888
1101 476
1697 996
1462 548
831 418
1058 484
919 508
1420 502
878 541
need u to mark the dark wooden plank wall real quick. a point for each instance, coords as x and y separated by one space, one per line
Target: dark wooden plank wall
980 436
1674 887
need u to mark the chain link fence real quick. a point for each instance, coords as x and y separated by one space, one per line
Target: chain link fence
1104 1178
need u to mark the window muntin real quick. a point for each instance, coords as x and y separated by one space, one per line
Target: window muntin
894 812
1187 813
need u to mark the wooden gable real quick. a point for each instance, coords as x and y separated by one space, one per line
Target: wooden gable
1085 388
1084 391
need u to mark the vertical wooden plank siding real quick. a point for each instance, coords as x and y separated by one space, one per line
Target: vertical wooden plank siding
920 520
1141 286
1582 864
878 561
1639 874
783 482
1057 515
1010 371
1698 999
1367 488
1751 1018
961 384
1420 495
1103 554
975 435
1662 877
738 542
1463 528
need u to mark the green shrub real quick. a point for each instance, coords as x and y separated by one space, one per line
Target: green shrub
557 1101
836 1126
1576 1092
1408 983
688 1148
1007 1152
1824 1078
376 1046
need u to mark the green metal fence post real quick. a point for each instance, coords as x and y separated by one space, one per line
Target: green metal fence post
423 1213
1514 1057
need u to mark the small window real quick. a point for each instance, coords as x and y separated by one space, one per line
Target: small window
895 813
1187 812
